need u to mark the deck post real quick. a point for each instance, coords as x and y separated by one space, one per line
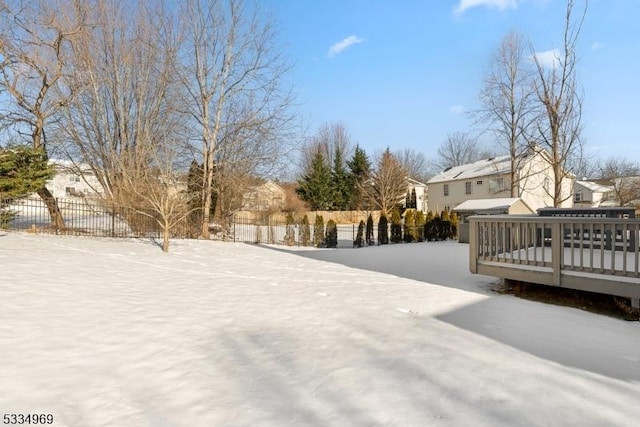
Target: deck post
557 245
635 303
473 246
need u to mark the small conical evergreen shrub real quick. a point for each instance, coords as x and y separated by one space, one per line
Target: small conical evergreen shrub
396 226
359 235
383 230
420 225
290 232
453 218
444 231
318 231
369 233
305 231
332 234
410 234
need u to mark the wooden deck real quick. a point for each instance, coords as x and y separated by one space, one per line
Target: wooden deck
591 254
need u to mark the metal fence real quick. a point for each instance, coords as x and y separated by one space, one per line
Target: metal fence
94 217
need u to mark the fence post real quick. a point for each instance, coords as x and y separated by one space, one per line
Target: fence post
473 246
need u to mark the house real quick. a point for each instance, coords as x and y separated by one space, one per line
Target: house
589 194
268 196
416 195
73 180
490 179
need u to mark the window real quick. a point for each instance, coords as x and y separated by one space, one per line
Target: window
479 182
74 178
577 197
467 187
496 185
446 189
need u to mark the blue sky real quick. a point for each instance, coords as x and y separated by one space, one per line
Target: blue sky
403 73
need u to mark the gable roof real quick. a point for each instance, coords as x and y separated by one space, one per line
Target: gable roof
594 186
489 205
491 166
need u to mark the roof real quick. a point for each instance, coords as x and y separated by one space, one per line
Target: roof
490 166
594 186
482 205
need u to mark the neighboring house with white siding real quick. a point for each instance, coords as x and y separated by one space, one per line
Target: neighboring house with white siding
73 180
268 196
589 194
490 179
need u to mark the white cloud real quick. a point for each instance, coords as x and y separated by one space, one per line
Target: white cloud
343 44
463 5
548 58
456 109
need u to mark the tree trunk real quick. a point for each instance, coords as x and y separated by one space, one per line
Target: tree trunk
57 221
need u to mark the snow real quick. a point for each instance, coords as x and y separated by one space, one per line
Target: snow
105 332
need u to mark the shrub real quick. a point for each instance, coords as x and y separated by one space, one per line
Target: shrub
318 231
358 242
290 233
332 234
305 231
383 230
420 226
396 227
369 233
410 233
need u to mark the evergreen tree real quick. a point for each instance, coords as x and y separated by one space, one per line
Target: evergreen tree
444 231
331 240
305 231
453 218
396 226
342 186
359 169
420 221
383 230
369 233
23 170
316 187
414 199
359 235
290 233
410 234
318 231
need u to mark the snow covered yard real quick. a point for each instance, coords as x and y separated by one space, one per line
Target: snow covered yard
102 332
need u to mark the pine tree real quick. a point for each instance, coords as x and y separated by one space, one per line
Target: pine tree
383 230
316 187
318 231
369 233
359 169
305 231
331 240
359 235
445 226
342 187
453 218
290 233
396 226
23 170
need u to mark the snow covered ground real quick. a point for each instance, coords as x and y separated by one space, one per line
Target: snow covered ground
102 332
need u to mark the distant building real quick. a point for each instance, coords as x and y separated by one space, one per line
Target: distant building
416 195
589 194
268 196
490 179
73 180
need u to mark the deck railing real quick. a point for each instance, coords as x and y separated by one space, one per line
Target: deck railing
595 254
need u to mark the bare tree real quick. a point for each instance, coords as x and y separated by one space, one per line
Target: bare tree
388 183
34 45
415 163
507 99
458 149
233 79
122 118
559 129
329 139
624 176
